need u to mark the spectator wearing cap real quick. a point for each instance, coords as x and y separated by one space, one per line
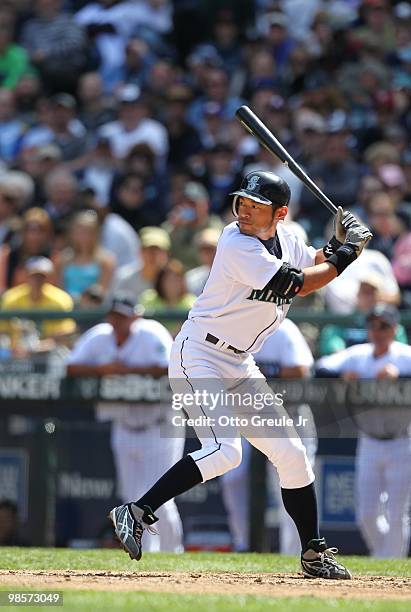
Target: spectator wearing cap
138 276
34 239
134 126
14 62
335 338
169 293
37 293
127 344
183 137
207 245
85 262
188 217
58 125
309 129
56 45
216 90
336 172
12 128
383 462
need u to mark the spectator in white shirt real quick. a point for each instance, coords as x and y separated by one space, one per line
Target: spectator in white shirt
134 126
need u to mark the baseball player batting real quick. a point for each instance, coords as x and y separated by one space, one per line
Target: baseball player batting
259 267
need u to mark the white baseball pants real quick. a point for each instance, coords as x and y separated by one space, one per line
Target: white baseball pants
384 466
196 365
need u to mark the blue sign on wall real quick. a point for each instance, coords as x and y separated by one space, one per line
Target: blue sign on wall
13 478
336 488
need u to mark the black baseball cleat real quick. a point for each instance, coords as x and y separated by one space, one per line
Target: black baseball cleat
129 522
318 561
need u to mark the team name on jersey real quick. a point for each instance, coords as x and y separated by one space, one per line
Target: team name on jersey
267 295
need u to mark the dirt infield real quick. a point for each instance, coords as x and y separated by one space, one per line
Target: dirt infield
269 585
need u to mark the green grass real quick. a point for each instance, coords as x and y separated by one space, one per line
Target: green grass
161 602
116 560
166 602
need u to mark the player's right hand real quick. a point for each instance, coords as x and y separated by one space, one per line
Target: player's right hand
343 220
358 236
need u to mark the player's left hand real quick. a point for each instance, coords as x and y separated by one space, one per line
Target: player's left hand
389 371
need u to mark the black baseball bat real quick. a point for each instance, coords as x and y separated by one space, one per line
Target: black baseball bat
257 128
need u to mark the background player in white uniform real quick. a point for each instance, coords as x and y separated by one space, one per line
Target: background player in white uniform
383 463
128 344
284 354
259 266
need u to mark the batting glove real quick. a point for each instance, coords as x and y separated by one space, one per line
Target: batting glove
342 222
356 239
358 236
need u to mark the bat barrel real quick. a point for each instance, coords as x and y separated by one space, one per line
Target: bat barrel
266 138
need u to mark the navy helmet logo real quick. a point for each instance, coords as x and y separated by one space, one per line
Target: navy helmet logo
253 183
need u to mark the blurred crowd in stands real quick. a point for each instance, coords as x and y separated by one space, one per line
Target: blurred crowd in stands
119 145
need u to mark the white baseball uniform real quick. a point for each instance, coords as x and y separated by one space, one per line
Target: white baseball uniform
286 348
383 462
211 356
141 455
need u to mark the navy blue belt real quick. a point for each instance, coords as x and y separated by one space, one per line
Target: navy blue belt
214 340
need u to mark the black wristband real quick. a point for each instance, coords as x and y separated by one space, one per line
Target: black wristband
343 257
331 247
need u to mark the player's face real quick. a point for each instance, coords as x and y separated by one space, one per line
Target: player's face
380 332
256 219
121 325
